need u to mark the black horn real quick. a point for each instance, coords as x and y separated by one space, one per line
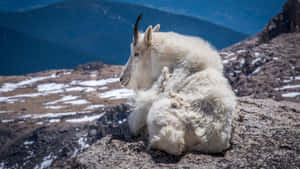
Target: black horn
136 29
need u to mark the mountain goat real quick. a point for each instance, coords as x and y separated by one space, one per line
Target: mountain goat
182 99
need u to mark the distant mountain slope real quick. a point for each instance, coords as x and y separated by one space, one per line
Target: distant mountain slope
21 54
102 28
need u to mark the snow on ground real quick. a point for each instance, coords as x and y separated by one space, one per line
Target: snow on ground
243 61
28 142
74 153
117 94
288 87
122 121
46 163
241 51
256 70
291 94
225 61
10 99
18 98
2 112
54 120
92 107
67 73
51 87
93 75
80 89
7 87
50 115
7 120
2 165
85 119
226 54
255 60
82 142
55 107
256 54
103 88
94 83
291 79
63 99
77 102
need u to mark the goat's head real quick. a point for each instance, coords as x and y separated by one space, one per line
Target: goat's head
137 72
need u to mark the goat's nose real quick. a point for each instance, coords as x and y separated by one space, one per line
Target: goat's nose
121 79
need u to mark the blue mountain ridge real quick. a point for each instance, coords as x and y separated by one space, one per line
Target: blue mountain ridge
40 54
101 30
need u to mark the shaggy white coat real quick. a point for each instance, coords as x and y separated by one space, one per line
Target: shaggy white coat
183 100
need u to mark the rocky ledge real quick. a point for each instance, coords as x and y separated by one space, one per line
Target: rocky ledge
266 135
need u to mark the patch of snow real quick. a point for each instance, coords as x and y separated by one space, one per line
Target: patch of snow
93 75
28 142
231 54
67 73
98 82
275 58
117 94
74 82
82 142
255 60
54 91
7 121
241 51
291 94
80 89
50 115
77 102
2 112
63 99
39 123
74 153
291 79
228 60
256 54
288 87
47 161
243 61
122 121
85 119
223 53
103 88
89 89
54 120
16 98
55 107
48 87
2 165
92 107
256 70
7 87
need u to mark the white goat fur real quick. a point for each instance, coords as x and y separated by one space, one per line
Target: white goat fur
182 97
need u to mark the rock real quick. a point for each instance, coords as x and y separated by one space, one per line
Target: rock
288 21
266 135
266 65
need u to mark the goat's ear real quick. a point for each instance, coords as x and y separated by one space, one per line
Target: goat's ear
148 36
156 28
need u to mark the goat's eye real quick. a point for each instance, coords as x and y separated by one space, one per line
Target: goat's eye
136 54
